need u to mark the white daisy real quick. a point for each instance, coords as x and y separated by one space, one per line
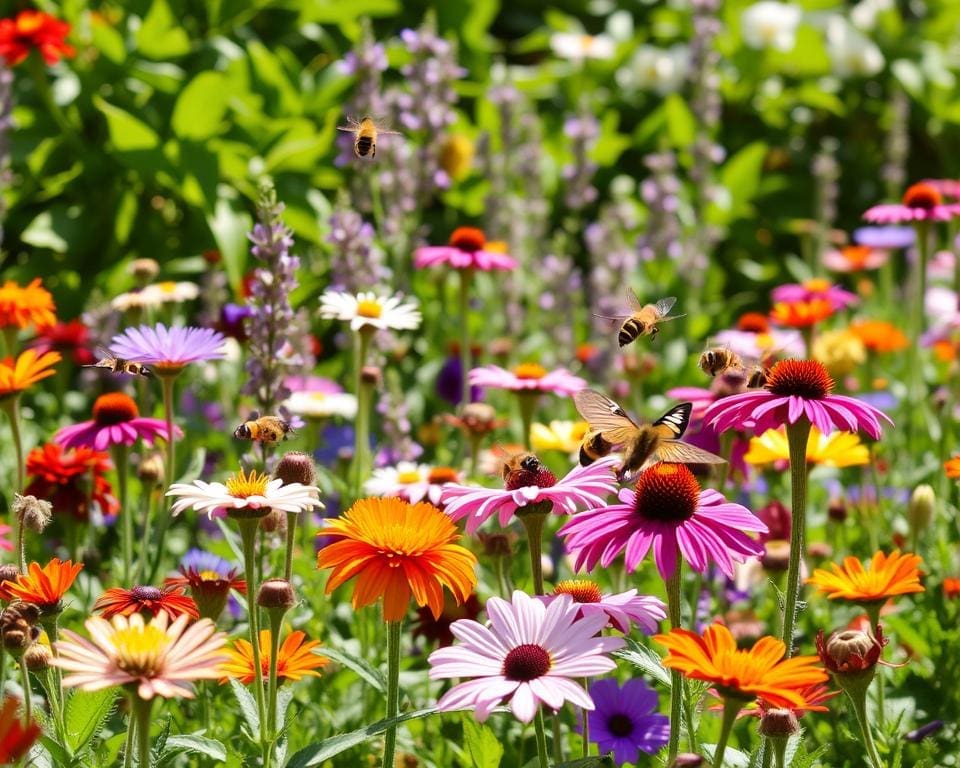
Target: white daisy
770 24
366 309
243 492
170 292
574 47
663 70
322 405
853 54
413 482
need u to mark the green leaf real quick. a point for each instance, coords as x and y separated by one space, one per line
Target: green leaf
127 133
161 36
41 233
601 761
740 176
85 715
645 659
681 124
248 706
369 674
229 228
200 745
58 754
316 754
200 108
108 41
482 744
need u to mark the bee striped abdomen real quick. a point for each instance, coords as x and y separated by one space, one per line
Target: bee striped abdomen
629 331
363 145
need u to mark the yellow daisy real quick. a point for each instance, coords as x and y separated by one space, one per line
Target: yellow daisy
564 436
838 449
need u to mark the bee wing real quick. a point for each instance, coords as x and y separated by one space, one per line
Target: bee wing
634 300
664 306
671 317
604 416
674 422
678 452
385 132
347 128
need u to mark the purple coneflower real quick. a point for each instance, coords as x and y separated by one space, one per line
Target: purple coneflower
527 377
625 720
168 350
622 609
817 288
921 202
116 421
467 250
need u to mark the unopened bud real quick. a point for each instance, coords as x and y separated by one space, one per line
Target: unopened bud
296 467
780 723
276 593
8 572
497 544
837 510
275 521
151 470
372 375
776 555
144 270
686 760
850 651
17 626
923 503
37 657
35 513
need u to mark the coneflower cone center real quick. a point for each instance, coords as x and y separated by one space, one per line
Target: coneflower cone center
440 475
856 255
469 239
581 590
620 725
114 408
753 322
242 486
529 371
521 478
140 650
817 285
146 593
667 492
804 378
526 662
922 196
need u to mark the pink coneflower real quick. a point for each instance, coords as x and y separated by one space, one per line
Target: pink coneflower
795 389
467 250
921 202
530 653
116 421
582 488
622 609
946 187
168 350
855 258
817 288
527 377
668 513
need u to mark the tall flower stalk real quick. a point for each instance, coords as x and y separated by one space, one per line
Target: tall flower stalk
797 434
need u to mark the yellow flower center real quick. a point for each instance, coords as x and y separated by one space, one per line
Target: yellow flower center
318 396
408 477
243 486
817 285
369 308
529 371
141 650
209 576
167 287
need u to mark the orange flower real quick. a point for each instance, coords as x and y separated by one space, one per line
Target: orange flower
952 467
879 335
887 576
15 738
801 314
945 350
25 306
34 29
44 587
28 369
951 587
397 549
295 659
760 672
171 600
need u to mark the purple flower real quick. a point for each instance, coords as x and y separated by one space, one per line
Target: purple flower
168 349
625 721
885 237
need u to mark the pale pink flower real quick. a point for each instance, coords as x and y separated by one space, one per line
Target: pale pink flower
818 288
527 377
622 609
468 249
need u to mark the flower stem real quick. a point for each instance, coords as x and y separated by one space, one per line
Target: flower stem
466 277
122 465
12 407
730 709
915 383
676 678
292 519
393 690
533 516
248 536
797 434
362 424
27 702
142 559
585 725
141 711
541 740
166 382
276 619
128 743
528 404
858 697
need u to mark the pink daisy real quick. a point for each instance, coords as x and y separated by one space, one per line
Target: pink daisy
582 488
527 377
818 288
921 202
116 421
530 653
855 258
668 513
795 389
467 250
622 609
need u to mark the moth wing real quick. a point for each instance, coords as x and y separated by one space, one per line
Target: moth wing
678 452
674 422
602 413
665 305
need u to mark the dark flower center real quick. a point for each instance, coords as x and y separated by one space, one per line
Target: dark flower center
581 590
620 725
526 471
469 239
922 196
754 322
805 378
141 594
114 408
667 492
526 662
441 475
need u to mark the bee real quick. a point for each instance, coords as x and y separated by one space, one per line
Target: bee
263 429
718 360
642 443
118 365
644 320
365 132
757 378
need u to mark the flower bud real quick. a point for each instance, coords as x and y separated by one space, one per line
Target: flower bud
276 593
17 626
144 270
275 521
37 657
35 513
776 555
296 467
837 510
150 471
478 418
920 509
850 651
779 723
686 760
8 572
498 544
371 375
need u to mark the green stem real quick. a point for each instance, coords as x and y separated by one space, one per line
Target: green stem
142 559
528 404
292 519
915 384
248 536
12 408
122 465
466 277
797 435
859 700
141 710
128 743
533 516
52 629
362 424
276 619
393 690
166 382
730 709
541 739
676 678
778 748
27 699
585 725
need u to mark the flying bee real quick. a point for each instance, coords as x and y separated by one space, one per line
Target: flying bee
365 132
642 444
757 378
718 360
263 429
118 365
644 320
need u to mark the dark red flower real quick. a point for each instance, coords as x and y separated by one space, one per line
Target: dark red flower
69 339
209 588
34 30
15 737
71 479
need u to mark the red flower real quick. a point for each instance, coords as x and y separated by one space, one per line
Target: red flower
171 600
15 738
71 339
63 477
34 29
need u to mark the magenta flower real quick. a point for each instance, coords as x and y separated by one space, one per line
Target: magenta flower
668 513
527 377
817 288
795 389
621 610
467 250
921 202
582 488
116 421
530 653
168 349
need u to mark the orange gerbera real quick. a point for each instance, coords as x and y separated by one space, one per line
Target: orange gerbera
887 576
397 549
951 587
44 587
760 672
23 306
879 335
801 314
28 369
171 600
295 659
952 467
